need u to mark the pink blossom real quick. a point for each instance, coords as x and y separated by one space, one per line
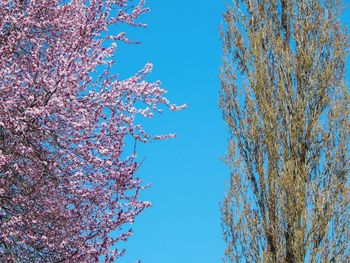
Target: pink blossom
67 186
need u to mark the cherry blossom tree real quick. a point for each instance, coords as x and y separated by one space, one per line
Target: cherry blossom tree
67 185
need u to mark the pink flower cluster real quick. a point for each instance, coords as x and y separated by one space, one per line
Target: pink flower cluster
66 188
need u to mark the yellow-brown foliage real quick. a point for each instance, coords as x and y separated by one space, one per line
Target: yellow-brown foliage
286 104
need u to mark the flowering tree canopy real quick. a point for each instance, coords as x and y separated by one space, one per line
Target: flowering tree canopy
65 181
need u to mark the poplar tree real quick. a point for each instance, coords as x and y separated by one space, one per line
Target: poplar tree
286 103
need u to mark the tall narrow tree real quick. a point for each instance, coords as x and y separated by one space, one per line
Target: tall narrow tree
287 108
68 188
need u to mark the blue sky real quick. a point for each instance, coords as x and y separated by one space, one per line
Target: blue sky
187 175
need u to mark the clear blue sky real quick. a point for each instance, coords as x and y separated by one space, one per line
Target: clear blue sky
187 176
